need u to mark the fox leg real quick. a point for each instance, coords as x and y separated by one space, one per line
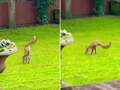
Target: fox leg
24 59
28 59
92 51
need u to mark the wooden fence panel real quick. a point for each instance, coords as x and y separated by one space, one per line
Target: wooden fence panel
25 13
4 14
83 7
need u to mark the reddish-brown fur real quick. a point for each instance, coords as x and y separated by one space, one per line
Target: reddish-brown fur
92 47
27 49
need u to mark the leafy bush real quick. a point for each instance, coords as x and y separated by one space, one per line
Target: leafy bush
98 7
115 7
42 10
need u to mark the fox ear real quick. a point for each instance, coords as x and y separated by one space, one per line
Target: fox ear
34 37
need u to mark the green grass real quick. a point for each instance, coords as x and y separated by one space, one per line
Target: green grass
81 69
43 71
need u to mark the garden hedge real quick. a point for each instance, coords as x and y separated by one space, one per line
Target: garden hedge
42 10
115 7
98 7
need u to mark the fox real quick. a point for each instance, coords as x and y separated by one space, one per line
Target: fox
91 48
27 49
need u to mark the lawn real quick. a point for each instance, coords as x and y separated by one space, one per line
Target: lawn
81 69
43 71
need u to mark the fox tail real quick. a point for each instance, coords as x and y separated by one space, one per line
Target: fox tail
106 46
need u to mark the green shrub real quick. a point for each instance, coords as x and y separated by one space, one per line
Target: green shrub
42 10
115 7
98 7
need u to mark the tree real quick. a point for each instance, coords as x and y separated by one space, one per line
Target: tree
12 16
68 8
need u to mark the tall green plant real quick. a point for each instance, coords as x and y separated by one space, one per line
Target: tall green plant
42 10
99 7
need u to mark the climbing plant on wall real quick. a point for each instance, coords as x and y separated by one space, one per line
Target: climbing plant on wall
42 10
99 7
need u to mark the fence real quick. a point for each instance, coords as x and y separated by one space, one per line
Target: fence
83 7
25 13
4 14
